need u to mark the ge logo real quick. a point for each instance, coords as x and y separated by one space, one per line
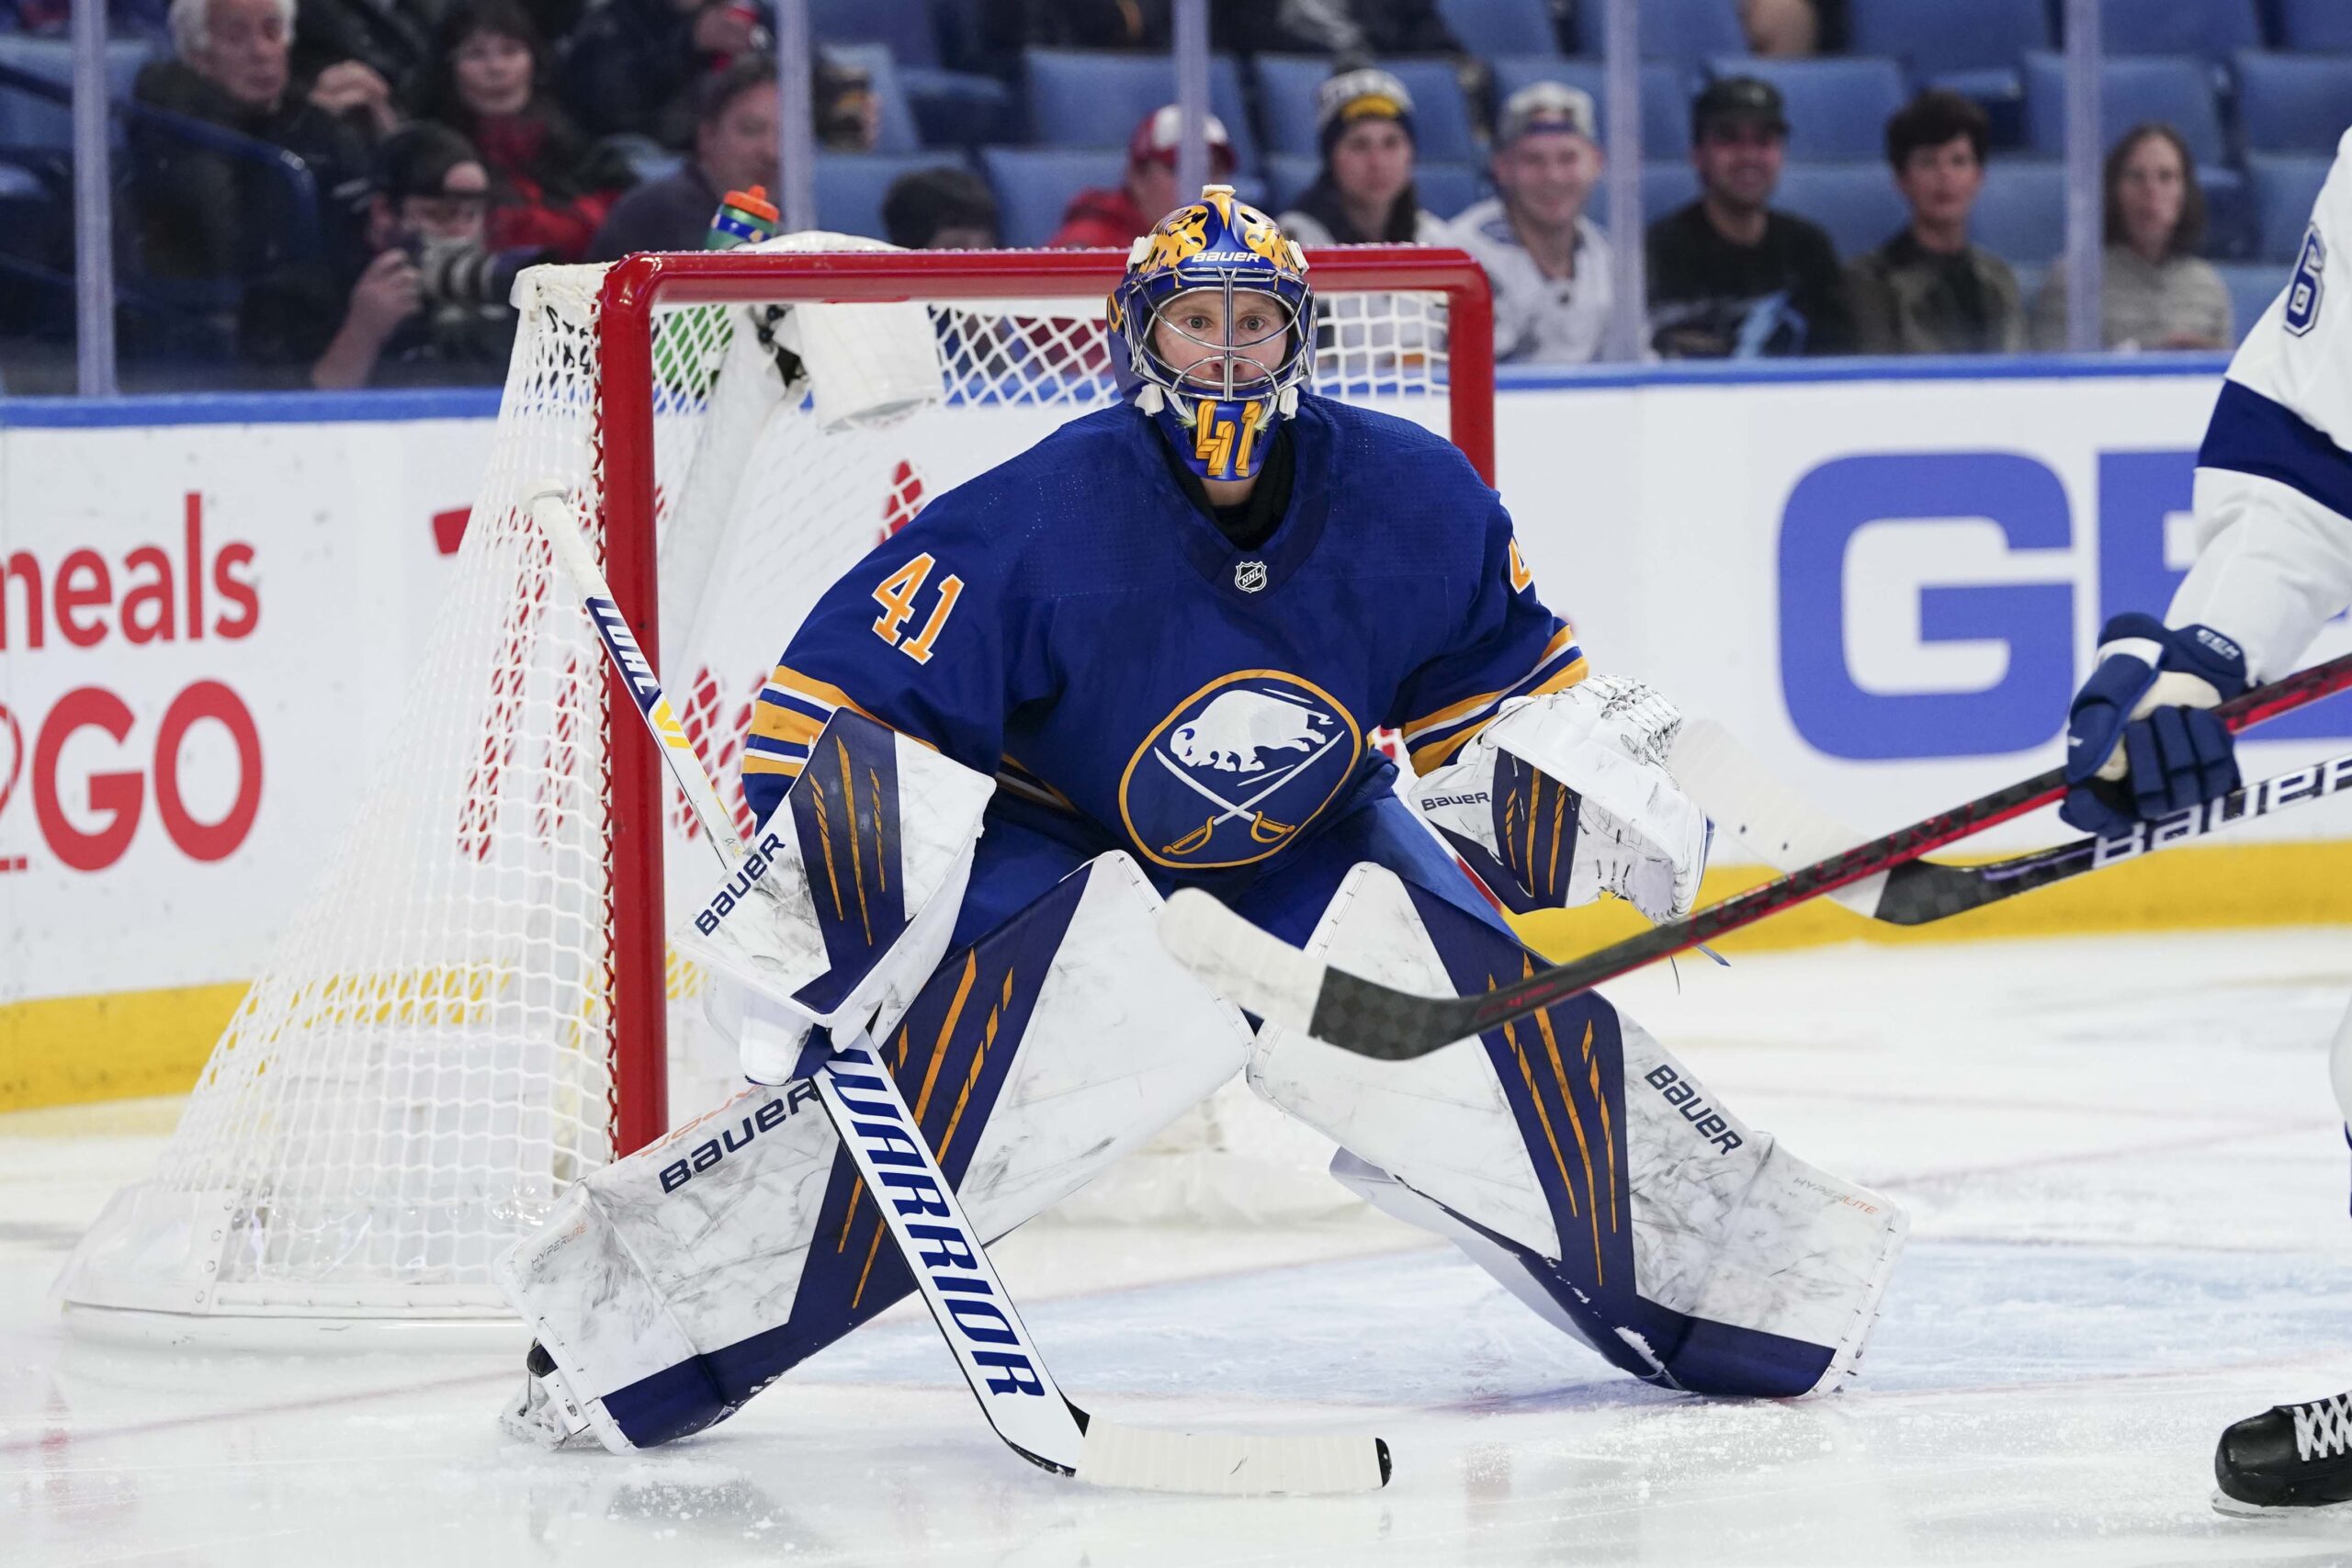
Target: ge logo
2303 290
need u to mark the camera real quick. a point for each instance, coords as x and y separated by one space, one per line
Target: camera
462 273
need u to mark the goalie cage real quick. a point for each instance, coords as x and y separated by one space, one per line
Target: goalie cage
477 1006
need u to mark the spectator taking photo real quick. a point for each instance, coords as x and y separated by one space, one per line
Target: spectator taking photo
1728 276
1547 261
1927 291
428 308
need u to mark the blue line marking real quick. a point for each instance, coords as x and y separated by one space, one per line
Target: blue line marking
249 408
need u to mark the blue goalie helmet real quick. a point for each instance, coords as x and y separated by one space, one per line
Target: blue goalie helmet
1218 325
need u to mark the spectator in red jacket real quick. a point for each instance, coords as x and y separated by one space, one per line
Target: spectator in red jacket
1114 217
551 189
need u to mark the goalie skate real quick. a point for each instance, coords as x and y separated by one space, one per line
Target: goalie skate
544 1413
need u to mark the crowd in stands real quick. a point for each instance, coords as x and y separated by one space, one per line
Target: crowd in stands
334 193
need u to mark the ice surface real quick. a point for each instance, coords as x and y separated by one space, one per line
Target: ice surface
2128 1191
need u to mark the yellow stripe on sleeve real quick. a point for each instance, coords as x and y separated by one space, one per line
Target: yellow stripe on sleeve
770 722
1560 680
1561 640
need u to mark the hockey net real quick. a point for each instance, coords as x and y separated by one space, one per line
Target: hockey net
476 1008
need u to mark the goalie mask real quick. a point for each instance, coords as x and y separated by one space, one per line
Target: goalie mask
1219 325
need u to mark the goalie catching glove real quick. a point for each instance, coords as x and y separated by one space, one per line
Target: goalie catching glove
1566 796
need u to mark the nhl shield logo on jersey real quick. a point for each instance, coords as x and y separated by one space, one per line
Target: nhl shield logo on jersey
1249 575
1237 770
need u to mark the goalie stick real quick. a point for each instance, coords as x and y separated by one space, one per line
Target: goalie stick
942 1249
1739 793
1268 976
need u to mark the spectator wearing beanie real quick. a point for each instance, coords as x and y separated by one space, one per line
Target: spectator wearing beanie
552 189
735 149
1548 261
1115 217
1365 194
1927 291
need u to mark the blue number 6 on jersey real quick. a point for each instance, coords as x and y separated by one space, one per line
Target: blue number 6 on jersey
2304 288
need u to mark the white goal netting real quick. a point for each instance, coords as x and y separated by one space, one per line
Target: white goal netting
441 1042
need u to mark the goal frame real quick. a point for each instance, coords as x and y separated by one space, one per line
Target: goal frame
622 458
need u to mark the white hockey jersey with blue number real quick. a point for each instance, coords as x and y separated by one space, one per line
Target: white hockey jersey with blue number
2274 477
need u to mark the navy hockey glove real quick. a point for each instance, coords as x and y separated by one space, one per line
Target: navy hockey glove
2140 739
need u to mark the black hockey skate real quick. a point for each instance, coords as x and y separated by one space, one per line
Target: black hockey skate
2289 1457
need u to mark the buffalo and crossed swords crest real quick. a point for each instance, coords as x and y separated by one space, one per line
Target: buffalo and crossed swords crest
1313 733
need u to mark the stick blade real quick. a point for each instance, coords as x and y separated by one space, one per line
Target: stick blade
1743 796
1257 972
1216 1465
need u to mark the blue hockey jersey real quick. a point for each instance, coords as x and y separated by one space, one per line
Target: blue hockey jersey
1072 622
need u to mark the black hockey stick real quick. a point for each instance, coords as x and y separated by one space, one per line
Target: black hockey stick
1740 794
1275 980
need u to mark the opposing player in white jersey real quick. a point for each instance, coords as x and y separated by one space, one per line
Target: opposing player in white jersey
2274 512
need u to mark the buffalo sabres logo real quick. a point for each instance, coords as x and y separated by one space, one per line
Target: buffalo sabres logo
1249 575
1237 770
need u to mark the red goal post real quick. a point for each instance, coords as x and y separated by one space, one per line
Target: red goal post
624 456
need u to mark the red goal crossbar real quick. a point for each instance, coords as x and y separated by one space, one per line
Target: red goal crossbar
623 461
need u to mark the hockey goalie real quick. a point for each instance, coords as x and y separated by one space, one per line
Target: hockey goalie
1148 653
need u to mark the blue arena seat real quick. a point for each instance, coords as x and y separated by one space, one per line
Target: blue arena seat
1033 184
1974 50
950 106
1082 98
901 26
1838 108
1287 175
1855 202
2209 27
1666 97
2315 24
1488 27
1446 188
1938 42
2252 285
2293 103
1286 86
2021 216
2229 213
2175 89
1666 188
33 124
851 186
2282 186
1683 31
